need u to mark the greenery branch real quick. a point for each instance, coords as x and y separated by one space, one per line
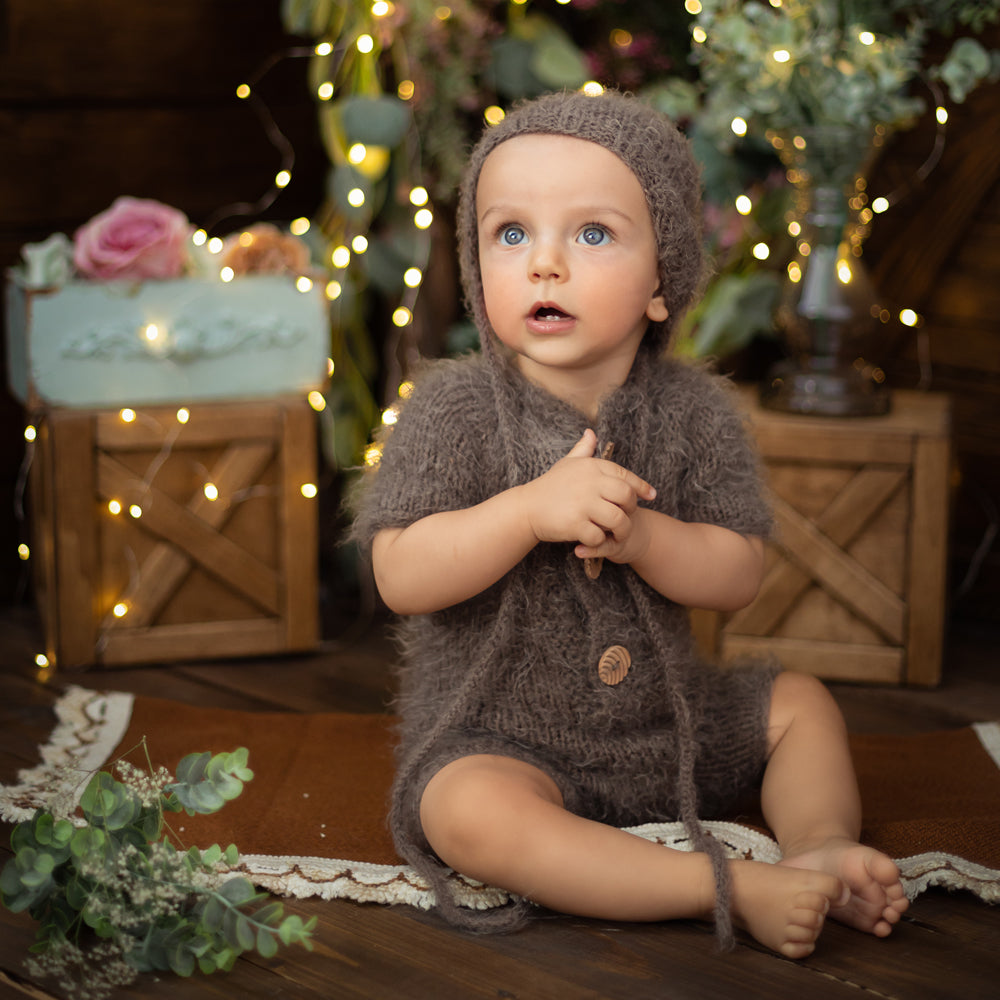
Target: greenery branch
114 894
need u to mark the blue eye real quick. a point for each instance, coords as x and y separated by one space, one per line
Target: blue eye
594 236
511 236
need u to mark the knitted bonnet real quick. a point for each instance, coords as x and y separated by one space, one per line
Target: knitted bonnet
649 145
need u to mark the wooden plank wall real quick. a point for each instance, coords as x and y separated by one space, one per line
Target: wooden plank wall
938 252
109 98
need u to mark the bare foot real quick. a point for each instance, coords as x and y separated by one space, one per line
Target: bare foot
784 908
876 899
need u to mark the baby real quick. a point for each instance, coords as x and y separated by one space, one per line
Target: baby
543 514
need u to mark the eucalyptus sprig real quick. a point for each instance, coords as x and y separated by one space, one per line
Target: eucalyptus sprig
115 896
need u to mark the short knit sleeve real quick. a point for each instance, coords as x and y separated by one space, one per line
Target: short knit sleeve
723 480
431 456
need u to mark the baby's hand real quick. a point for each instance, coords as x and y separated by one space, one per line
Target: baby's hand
584 499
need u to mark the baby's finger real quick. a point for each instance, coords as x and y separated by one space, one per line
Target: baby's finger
638 486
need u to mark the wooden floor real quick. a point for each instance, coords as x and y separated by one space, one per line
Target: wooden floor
948 945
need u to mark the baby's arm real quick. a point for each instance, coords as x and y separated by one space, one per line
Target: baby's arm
448 557
697 565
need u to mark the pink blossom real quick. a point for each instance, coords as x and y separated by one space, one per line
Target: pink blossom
136 239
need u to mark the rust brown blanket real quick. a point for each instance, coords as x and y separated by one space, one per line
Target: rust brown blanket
313 819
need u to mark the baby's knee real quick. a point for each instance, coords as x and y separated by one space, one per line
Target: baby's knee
798 696
473 807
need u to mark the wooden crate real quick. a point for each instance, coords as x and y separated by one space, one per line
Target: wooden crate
855 582
195 577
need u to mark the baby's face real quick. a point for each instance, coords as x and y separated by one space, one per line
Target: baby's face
568 258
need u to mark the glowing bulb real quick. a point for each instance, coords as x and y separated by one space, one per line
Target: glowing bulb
402 316
127 415
30 433
324 49
41 661
340 257
494 115
365 44
330 367
183 415
303 284
941 114
23 552
620 38
282 178
794 272
211 491
844 273
592 88
227 274
761 251
442 13
199 238
692 6
390 416
120 610
423 218
317 400
909 318
794 228
418 196
866 38
308 490
152 333
744 205
405 390
380 8
699 35
781 55
215 245
114 507
357 153
372 454
406 90
355 197
739 126
243 91
412 277
135 511
333 290
299 226
359 244
880 205
325 90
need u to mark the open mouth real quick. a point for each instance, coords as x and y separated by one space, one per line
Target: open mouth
549 313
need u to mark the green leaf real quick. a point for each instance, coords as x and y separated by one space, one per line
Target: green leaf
237 891
88 841
267 943
192 768
374 121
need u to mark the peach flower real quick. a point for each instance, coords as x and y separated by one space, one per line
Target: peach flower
264 249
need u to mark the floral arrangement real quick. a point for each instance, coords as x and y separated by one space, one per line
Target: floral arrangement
141 239
115 896
793 63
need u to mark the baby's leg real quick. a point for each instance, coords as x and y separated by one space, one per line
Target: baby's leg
810 800
502 821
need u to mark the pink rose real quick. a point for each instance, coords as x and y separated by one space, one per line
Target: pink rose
136 238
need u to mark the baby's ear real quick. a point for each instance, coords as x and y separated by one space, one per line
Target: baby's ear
657 309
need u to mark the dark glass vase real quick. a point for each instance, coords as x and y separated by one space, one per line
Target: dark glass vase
828 314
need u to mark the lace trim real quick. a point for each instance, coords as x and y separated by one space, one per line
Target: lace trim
90 725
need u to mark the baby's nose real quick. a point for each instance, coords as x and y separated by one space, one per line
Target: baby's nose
547 261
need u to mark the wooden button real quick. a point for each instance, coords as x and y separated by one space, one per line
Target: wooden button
614 665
